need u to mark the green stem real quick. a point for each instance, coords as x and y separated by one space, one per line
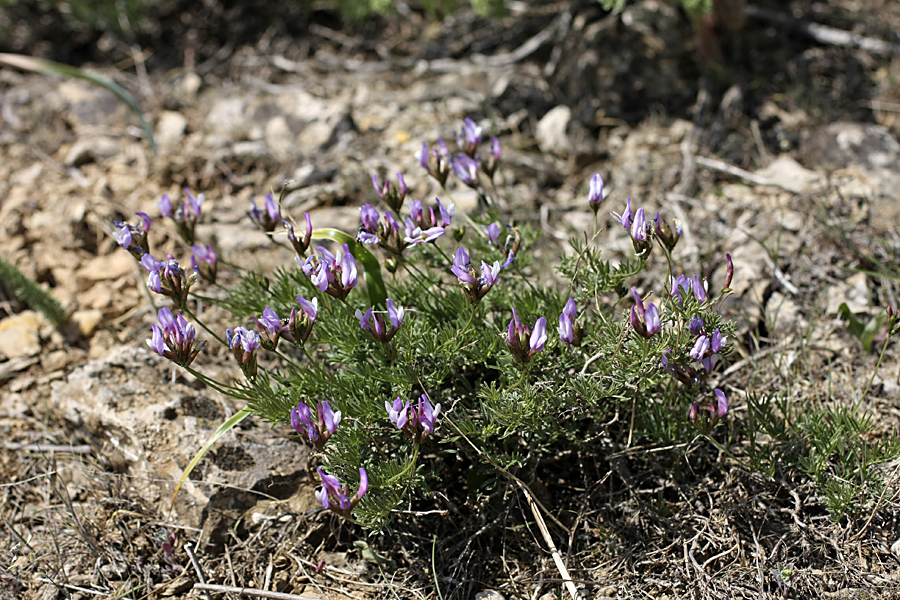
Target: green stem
203 325
874 373
727 452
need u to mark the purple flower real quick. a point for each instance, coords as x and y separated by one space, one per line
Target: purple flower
595 196
435 161
398 412
185 214
704 416
651 320
175 338
416 235
626 217
466 168
317 431
416 422
639 226
517 334
684 286
698 288
168 279
134 237
492 231
334 275
474 287
165 207
374 323
204 261
270 328
270 218
300 245
490 166
729 271
644 320
668 237
471 137
336 498
569 331
446 211
392 195
300 323
696 326
701 347
244 345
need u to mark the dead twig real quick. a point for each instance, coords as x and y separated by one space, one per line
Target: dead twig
56 448
197 569
557 558
830 36
207 587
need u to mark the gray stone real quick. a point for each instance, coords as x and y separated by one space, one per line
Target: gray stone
790 175
20 334
93 149
170 129
551 133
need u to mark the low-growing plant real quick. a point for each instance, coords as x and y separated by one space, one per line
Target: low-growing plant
427 349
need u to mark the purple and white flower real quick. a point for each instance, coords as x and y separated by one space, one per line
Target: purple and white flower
268 219
244 345
475 287
523 343
174 338
374 322
134 237
336 498
318 430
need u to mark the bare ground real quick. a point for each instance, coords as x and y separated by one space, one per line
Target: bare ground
785 158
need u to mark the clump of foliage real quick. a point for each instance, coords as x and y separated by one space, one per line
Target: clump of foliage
421 350
30 292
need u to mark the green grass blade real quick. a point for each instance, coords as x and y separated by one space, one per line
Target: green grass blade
222 430
371 267
49 67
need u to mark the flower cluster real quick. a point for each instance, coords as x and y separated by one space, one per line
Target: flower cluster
134 237
373 231
416 422
317 430
523 343
374 323
336 498
467 164
174 338
244 344
706 349
391 195
334 275
185 214
423 226
474 286
205 261
169 279
435 160
683 286
266 220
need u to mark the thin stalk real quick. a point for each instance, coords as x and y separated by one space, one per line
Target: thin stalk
874 373
203 325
